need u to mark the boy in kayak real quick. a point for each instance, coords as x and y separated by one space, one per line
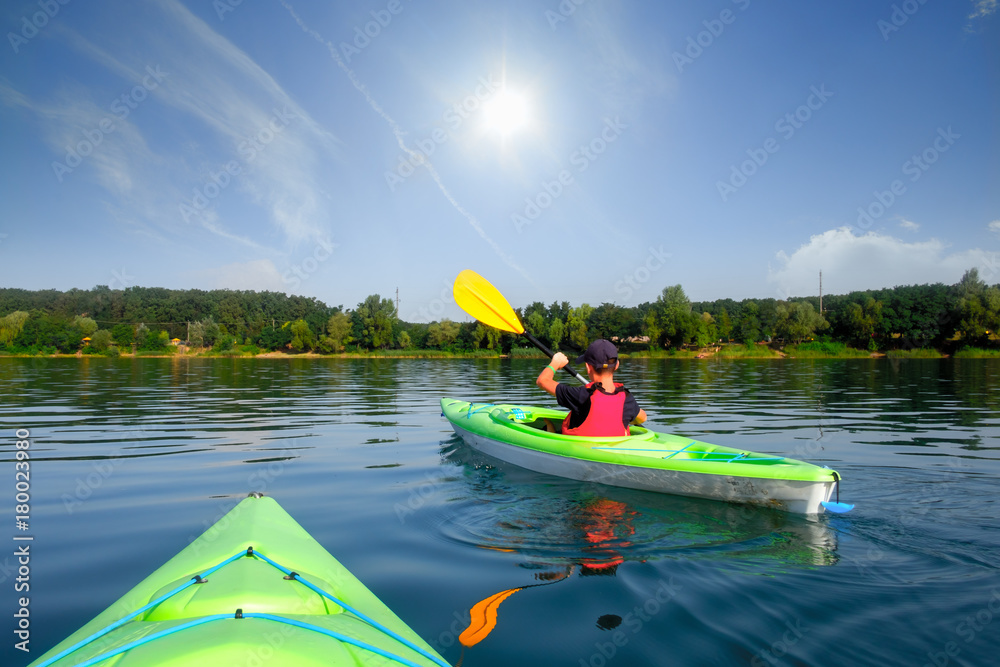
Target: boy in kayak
603 407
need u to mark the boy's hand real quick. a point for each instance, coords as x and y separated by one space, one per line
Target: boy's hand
559 360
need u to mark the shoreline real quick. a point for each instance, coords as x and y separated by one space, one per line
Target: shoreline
736 352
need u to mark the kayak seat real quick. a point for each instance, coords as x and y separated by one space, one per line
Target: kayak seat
247 583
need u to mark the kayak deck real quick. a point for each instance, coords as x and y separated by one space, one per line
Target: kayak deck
255 587
530 436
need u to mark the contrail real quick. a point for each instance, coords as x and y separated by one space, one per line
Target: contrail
399 133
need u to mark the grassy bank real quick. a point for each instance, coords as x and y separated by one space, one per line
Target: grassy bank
977 353
825 350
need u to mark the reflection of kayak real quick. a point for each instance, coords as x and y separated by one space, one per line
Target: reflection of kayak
528 436
255 588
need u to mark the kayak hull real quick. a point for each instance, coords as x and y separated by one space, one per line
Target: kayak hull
249 608
647 460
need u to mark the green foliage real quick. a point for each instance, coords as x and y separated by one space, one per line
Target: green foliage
11 326
824 350
797 321
977 353
303 338
101 340
917 353
374 319
442 334
85 324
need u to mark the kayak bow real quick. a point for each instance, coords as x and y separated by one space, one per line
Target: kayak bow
254 588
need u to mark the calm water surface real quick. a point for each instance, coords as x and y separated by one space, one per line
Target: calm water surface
131 459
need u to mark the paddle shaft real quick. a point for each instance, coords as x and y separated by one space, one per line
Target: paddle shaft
541 346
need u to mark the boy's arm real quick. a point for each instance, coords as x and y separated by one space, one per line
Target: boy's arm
547 378
639 418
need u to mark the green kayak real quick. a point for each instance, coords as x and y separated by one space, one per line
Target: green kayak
529 437
254 589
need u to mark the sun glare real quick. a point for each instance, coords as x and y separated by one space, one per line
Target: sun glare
506 112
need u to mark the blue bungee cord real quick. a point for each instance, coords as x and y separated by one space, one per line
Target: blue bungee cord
201 578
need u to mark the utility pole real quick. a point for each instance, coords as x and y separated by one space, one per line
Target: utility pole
821 292
397 303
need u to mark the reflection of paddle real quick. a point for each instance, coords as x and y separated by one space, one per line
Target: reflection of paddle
483 615
477 297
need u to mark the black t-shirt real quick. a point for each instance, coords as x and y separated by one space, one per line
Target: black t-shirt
577 400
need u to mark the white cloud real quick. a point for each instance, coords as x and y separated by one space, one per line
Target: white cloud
871 261
994 226
257 275
909 225
983 8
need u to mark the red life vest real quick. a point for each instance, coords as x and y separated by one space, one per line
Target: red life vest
606 414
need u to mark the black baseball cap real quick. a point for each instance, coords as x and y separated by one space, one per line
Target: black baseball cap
600 354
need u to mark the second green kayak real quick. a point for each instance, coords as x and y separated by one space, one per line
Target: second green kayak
529 437
254 589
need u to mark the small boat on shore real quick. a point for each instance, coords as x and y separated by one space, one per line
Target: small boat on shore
530 437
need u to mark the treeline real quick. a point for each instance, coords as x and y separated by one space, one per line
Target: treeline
105 321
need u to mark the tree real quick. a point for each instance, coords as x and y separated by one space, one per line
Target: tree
706 331
862 322
576 326
747 329
797 321
86 325
101 340
404 341
11 326
557 331
338 332
673 314
123 335
442 334
376 317
978 308
724 325
302 336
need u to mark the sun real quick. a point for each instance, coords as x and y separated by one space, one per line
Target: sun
506 112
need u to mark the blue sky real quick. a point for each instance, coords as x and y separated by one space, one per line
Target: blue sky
337 150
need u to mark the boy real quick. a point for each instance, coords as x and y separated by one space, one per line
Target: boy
603 407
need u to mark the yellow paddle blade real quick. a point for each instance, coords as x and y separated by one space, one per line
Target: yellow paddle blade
476 296
483 618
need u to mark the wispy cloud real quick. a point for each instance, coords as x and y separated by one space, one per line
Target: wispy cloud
909 225
240 114
399 134
982 8
994 226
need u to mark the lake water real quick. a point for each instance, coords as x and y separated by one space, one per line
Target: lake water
131 459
